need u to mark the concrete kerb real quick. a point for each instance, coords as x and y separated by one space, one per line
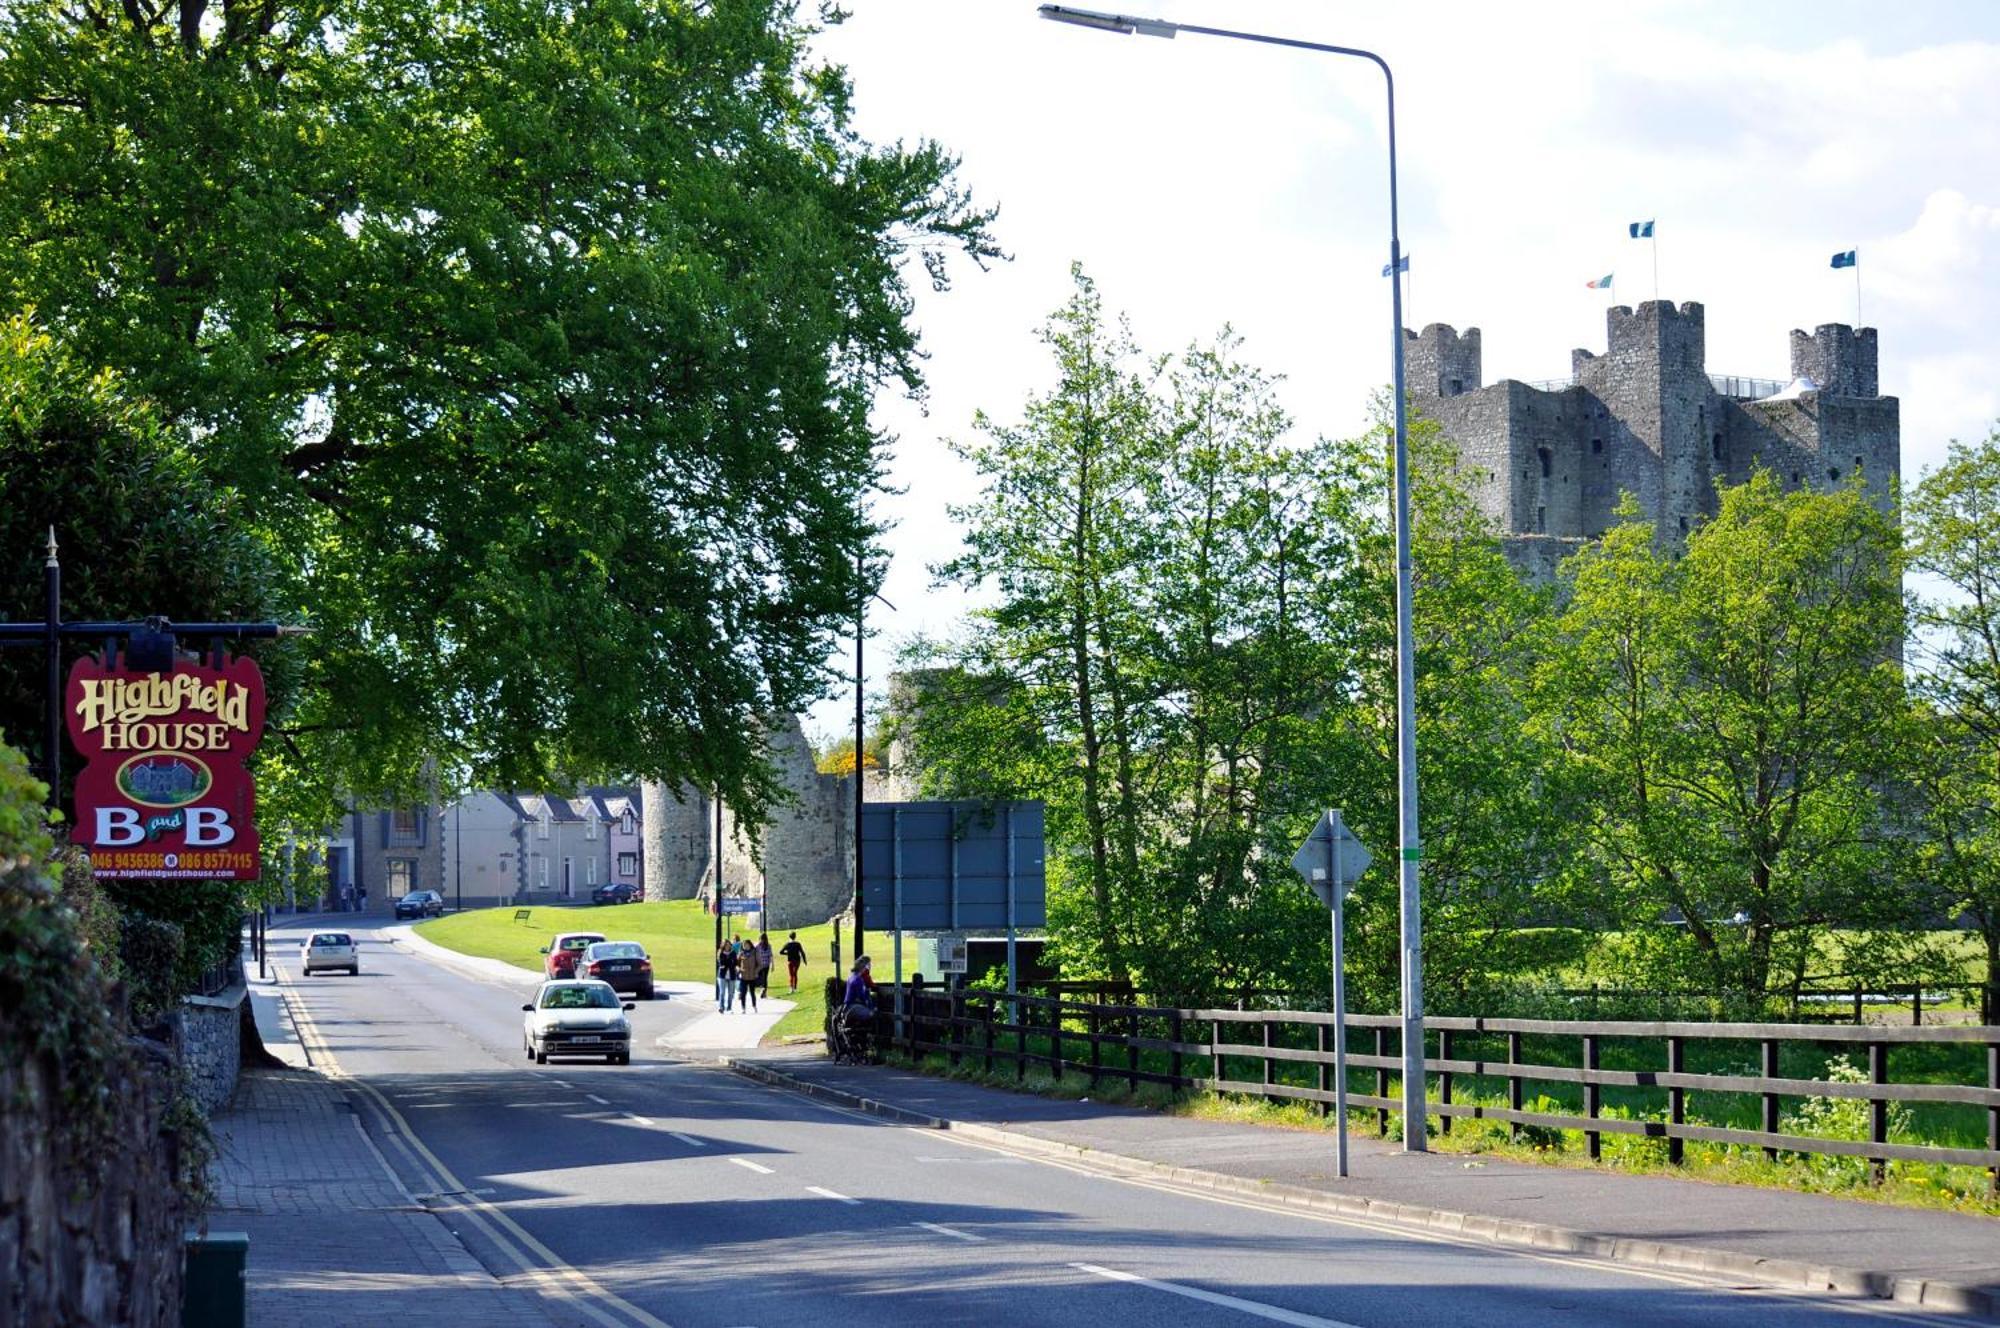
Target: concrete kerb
1786 1273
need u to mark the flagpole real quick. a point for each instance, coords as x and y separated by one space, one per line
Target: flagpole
1656 265
1857 290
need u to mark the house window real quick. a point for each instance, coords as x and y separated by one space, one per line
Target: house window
590 871
628 866
402 876
542 825
1547 459
590 825
404 823
625 822
541 872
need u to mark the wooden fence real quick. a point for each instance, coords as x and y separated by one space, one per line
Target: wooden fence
1288 1055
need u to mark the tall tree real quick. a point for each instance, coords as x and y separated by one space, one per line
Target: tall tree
1952 523
1734 711
535 342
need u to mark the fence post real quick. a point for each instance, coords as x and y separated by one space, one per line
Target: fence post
1993 1112
1446 1043
1676 1098
1055 1038
1878 1108
1174 1057
1381 1082
1768 1060
1267 1060
1858 1019
1090 1024
1132 1044
1023 1012
1917 1004
1593 1096
1325 1071
956 1013
907 998
1514 1082
991 1003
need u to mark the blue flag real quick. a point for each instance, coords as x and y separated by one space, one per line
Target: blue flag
1402 265
1848 259
1641 230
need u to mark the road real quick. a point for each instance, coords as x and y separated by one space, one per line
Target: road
674 1193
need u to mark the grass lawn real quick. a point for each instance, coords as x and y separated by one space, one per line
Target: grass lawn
678 935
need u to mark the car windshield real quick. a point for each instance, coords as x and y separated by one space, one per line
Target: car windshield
580 942
618 950
415 897
593 997
333 938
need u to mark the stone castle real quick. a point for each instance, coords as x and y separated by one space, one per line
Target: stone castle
1548 462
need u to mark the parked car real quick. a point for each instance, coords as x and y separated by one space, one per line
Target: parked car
420 904
330 950
616 892
569 1018
559 955
623 964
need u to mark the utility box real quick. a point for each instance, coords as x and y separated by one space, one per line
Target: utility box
212 1285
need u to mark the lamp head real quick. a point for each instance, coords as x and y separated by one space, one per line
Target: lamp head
1124 24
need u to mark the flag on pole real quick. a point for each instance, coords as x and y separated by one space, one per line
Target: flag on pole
1641 230
1847 258
1602 283
1402 265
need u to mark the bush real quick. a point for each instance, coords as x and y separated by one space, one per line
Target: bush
150 952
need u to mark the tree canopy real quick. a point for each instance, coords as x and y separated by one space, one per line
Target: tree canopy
535 344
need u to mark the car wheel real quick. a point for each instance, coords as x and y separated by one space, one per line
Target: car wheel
541 1057
622 1058
354 970
646 995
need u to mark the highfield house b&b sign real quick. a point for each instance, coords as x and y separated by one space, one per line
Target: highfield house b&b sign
163 791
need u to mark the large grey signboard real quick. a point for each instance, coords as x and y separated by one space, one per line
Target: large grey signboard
953 866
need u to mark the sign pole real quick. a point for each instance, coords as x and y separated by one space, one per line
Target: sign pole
52 717
1334 855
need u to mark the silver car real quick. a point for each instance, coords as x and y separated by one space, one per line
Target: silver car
330 950
577 1018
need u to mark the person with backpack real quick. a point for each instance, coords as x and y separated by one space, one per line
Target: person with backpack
764 964
747 973
795 955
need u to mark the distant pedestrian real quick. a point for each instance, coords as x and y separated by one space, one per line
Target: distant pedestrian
795 954
362 896
764 964
725 977
747 976
347 898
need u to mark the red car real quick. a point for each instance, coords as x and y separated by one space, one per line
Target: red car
559 955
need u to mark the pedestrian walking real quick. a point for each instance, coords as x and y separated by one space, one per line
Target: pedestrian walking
795 954
764 964
725 977
747 974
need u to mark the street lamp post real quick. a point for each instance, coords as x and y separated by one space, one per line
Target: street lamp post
1414 1111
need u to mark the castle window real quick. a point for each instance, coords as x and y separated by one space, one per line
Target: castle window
1547 460
1795 477
1857 463
1541 520
1597 447
1684 525
1715 448
1454 387
1833 473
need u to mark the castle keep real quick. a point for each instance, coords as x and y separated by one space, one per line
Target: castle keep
1548 462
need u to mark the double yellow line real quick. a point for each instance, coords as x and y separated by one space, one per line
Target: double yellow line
547 1270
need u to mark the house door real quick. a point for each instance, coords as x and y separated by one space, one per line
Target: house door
569 870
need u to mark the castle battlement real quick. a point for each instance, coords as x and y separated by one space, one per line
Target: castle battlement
1553 461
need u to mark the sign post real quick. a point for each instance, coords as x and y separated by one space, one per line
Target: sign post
1331 860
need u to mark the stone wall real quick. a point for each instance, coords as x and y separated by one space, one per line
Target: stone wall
90 1227
208 1037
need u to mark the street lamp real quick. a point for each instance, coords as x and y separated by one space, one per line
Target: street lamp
1414 1112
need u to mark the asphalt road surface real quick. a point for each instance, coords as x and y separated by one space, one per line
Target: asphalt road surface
673 1193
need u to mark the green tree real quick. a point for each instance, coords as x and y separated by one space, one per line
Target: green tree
536 344
1734 714
1952 523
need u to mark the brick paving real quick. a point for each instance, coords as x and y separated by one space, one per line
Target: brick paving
334 1241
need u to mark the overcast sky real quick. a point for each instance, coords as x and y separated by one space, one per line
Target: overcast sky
1204 181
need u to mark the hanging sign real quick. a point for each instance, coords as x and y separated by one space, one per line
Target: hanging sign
163 791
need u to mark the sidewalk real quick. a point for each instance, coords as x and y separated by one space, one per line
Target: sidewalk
1942 1261
334 1240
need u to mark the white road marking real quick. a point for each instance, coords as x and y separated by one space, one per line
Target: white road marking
953 1232
687 1139
600 1101
830 1194
641 1120
1251 1307
752 1166
551 1102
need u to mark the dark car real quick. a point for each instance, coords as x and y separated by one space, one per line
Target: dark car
420 904
560 954
616 892
623 964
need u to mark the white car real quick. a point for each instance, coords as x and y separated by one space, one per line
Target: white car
329 950
577 1018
